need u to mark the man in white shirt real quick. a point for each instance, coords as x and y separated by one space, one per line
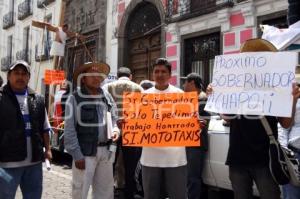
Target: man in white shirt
165 165
58 45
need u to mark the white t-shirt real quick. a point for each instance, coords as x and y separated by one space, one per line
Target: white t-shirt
62 35
163 156
22 99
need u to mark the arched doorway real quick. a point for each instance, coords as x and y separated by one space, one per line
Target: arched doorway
141 43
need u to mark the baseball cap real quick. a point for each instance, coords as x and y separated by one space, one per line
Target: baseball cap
20 63
197 79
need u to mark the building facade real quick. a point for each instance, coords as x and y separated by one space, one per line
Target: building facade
189 33
90 18
20 40
133 33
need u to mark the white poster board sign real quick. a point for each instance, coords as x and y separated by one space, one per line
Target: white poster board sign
254 83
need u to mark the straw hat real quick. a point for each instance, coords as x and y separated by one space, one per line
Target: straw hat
257 45
100 67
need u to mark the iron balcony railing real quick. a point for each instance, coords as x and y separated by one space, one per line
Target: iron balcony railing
8 20
42 3
24 9
5 63
24 54
193 8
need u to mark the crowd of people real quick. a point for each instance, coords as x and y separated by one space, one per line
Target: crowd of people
92 135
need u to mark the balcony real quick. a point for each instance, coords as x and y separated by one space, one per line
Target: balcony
5 63
24 54
194 8
24 9
42 3
8 20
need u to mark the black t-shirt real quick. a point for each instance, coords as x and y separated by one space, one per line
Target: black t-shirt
249 142
203 115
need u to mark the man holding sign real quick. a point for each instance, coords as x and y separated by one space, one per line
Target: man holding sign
164 163
251 97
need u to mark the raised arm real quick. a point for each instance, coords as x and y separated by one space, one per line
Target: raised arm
287 122
41 24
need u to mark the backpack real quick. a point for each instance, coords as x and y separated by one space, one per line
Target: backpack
283 165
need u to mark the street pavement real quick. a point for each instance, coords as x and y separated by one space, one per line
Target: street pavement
57 182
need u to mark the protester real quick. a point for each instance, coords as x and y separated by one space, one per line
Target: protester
129 155
24 131
290 138
248 157
90 133
163 165
196 155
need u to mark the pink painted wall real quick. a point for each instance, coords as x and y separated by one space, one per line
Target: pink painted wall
173 80
237 19
171 51
245 35
174 65
229 39
168 37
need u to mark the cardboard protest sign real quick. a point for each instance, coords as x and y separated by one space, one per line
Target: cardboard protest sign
254 83
54 77
168 119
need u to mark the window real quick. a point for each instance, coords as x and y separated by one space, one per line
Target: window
9 48
47 38
26 37
11 5
26 44
199 55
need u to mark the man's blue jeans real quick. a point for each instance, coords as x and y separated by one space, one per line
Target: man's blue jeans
195 164
30 179
290 191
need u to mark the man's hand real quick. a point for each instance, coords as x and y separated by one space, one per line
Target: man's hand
202 123
115 136
209 90
296 92
48 154
80 164
120 123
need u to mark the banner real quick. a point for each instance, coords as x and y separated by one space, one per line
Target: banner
161 120
54 77
257 83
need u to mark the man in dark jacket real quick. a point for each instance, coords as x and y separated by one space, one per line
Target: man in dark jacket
24 131
196 155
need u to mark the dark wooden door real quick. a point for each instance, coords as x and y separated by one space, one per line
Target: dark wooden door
142 55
